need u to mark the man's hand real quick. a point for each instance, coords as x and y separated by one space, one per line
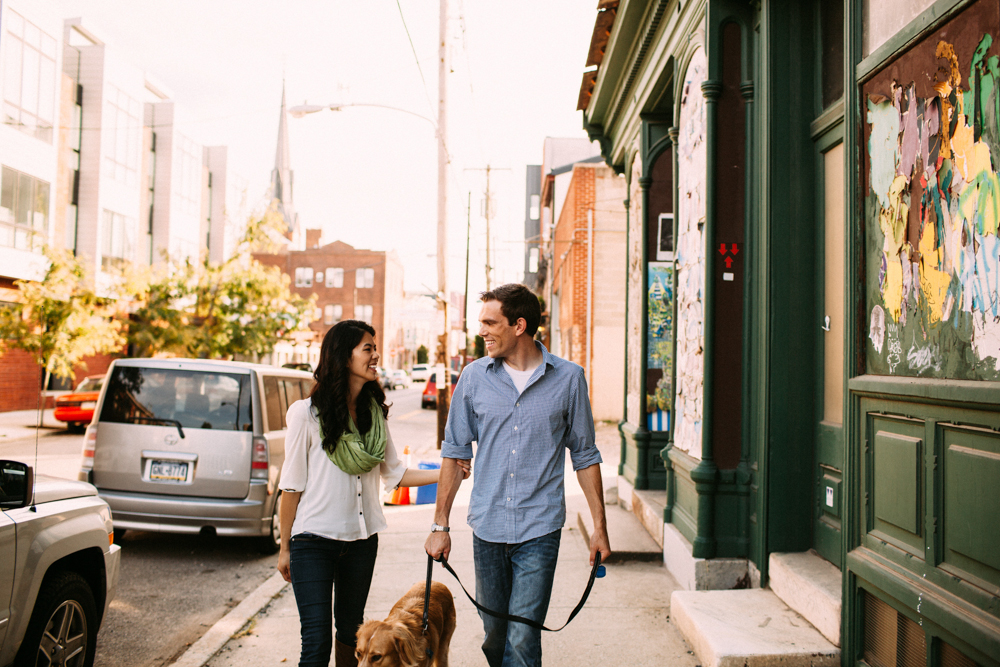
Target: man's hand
599 542
438 545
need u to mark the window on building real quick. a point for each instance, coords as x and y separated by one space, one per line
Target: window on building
534 207
363 313
121 129
364 278
533 260
303 277
332 313
117 240
335 278
24 210
29 77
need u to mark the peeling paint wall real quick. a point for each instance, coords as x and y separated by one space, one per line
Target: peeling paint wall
932 205
635 291
691 176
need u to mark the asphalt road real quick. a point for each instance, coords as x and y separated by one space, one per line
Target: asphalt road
172 588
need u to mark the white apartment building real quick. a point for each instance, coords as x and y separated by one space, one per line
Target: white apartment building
30 86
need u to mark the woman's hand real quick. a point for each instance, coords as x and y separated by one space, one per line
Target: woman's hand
466 466
285 564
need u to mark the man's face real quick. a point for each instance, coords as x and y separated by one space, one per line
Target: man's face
500 336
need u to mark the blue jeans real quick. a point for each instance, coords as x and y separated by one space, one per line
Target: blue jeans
324 572
516 578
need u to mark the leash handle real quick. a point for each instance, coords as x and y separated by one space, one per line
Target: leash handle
511 617
427 589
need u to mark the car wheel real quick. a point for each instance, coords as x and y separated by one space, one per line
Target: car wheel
271 543
63 626
119 534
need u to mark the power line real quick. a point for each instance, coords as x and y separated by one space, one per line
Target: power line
420 69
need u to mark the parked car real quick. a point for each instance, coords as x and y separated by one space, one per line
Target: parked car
299 366
185 445
58 568
400 380
384 378
420 372
77 408
429 398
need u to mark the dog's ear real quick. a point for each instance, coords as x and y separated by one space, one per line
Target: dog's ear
410 645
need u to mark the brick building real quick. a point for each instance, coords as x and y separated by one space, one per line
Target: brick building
350 283
586 284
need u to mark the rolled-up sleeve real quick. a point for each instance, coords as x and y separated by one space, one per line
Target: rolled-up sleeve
580 438
461 429
295 471
392 468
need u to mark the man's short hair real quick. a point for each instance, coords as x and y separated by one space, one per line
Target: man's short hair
516 301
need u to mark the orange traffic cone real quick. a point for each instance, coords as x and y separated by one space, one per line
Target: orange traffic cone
401 496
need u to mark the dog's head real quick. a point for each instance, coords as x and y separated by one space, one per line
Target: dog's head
396 644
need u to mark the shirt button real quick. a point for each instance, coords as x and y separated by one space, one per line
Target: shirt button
515 428
517 404
508 500
512 474
513 451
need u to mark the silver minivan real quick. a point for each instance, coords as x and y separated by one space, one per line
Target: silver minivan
186 445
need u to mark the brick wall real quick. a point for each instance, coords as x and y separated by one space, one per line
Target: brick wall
20 378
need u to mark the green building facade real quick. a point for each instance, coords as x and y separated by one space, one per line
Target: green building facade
813 329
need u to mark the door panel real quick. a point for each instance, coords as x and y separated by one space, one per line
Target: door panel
7 552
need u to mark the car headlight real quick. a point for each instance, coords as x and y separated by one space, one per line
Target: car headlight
88 405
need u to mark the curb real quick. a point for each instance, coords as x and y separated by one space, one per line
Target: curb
219 634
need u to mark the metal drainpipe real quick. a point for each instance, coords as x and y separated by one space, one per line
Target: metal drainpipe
668 508
705 474
628 231
642 436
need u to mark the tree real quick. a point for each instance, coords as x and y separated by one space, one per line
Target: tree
210 310
62 320
422 354
479 347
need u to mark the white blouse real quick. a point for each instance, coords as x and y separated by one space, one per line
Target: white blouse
333 504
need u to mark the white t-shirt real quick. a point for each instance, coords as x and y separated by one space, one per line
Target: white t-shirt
334 504
520 378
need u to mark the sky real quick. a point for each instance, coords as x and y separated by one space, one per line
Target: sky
368 176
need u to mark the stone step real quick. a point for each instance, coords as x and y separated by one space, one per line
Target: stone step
648 507
748 628
811 586
629 540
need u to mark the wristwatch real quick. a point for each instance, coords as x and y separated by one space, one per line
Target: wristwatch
439 529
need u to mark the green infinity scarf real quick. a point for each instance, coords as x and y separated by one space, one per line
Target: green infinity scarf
357 454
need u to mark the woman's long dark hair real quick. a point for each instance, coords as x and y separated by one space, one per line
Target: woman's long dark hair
331 390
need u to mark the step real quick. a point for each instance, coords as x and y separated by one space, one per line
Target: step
748 628
629 540
648 507
811 586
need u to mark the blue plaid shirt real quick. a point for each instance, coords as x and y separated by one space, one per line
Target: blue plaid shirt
518 492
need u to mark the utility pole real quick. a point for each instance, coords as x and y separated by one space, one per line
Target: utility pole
465 304
487 213
444 382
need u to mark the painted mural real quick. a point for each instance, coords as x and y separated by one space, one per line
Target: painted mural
691 173
635 384
659 342
932 211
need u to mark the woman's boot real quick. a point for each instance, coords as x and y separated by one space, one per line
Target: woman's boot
344 655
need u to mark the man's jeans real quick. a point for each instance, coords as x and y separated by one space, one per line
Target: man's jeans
325 570
516 578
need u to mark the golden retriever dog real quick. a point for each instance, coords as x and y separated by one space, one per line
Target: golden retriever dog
398 641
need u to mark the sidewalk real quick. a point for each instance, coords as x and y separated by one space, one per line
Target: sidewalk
21 424
626 619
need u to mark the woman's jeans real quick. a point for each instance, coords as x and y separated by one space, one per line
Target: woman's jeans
516 578
330 570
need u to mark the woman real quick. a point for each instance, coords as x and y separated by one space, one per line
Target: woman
336 448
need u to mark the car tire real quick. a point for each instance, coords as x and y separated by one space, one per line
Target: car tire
271 543
64 621
119 534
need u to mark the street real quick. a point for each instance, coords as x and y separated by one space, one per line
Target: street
172 588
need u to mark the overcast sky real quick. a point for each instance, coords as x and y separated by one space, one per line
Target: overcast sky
368 176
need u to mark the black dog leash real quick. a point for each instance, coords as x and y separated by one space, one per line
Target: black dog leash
500 615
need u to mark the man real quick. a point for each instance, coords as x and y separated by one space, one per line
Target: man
524 407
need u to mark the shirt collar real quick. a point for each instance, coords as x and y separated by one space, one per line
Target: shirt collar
547 358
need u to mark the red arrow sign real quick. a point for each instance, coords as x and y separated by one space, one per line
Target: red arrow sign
729 262
735 249
722 248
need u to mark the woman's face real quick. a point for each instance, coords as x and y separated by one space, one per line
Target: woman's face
364 360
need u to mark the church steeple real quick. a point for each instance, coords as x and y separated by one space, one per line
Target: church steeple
282 180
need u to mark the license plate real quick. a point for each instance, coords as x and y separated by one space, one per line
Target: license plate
171 471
